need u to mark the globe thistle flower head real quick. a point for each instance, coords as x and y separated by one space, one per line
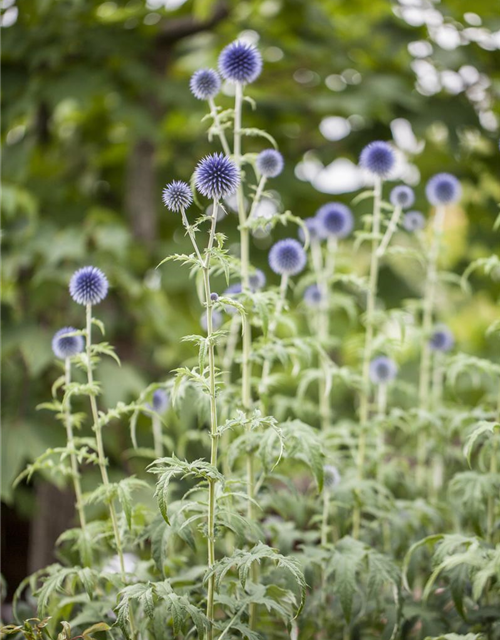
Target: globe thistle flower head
177 196
314 228
216 320
331 477
442 339
214 297
335 220
88 285
160 401
313 296
240 62
216 176
287 257
270 163
382 370
402 196
443 188
413 221
66 346
378 158
205 84
257 280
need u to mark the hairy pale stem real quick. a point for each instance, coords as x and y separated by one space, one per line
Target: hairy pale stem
246 371
71 445
369 335
257 197
157 435
427 320
102 458
218 127
393 223
381 411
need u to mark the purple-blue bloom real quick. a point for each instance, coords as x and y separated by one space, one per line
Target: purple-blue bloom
442 339
240 62
64 345
331 477
443 188
216 176
177 196
205 84
160 401
378 157
382 370
270 163
287 257
313 296
402 196
413 221
214 297
88 285
314 228
335 220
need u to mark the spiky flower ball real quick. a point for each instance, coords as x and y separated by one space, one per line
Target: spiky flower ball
443 188
240 62
402 196
413 221
313 296
88 285
160 401
257 280
287 257
216 176
382 370
205 84
270 163
214 297
442 339
216 320
335 220
177 196
314 228
331 477
379 158
66 346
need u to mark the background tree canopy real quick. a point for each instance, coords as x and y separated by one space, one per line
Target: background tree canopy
98 116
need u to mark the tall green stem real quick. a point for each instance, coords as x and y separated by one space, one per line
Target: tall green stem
157 436
258 196
393 223
369 335
71 445
101 456
427 320
220 131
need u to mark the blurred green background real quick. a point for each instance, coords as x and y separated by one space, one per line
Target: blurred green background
98 116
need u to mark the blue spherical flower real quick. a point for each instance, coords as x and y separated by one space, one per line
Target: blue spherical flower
205 84
315 230
335 220
313 296
88 285
402 196
240 62
382 370
413 221
443 188
442 339
177 196
378 157
270 163
287 257
64 345
257 280
216 320
214 297
331 477
160 401
216 176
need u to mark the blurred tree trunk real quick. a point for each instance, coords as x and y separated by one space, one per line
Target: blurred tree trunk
54 514
141 196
